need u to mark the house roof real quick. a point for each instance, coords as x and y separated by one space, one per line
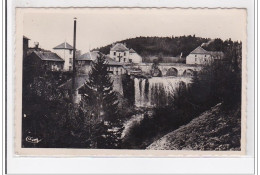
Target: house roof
132 51
199 50
24 37
119 47
64 45
112 62
79 82
90 56
48 56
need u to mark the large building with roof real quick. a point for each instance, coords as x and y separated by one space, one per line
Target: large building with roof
65 51
45 60
25 46
134 57
201 56
114 67
119 52
84 62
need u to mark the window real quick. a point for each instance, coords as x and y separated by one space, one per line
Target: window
114 53
70 60
70 52
195 59
195 55
205 55
124 59
124 53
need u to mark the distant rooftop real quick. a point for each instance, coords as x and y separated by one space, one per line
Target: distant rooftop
199 50
64 45
79 82
48 56
24 37
91 56
119 47
132 51
112 62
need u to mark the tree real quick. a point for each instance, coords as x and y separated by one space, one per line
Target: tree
98 92
101 104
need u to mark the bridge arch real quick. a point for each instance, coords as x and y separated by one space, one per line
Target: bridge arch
188 72
172 72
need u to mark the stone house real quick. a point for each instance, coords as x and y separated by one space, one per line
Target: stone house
119 52
201 56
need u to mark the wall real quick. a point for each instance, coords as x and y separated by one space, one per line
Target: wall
25 47
124 57
83 66
117 70
117 83
37 63
198 59
136 58
52 65
66 55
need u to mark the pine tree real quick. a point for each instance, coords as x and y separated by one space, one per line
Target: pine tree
98 92
101 103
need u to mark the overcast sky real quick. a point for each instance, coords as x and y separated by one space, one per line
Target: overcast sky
98 27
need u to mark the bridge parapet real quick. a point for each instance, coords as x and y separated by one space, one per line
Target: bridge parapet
180 68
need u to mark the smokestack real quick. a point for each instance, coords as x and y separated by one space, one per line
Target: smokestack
74 46
73 89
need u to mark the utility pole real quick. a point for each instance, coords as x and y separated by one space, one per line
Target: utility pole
74 60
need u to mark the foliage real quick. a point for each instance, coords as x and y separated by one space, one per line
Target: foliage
98 92
101 103
161 46
219 82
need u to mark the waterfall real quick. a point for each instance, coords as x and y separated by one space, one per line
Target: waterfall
155 90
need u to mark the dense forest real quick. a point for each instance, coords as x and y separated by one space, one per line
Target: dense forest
169 46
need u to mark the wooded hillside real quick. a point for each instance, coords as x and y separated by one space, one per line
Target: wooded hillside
167 46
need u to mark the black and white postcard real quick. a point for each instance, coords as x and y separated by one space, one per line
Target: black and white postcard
130 81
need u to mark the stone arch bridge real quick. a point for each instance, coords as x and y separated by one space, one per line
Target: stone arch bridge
170 69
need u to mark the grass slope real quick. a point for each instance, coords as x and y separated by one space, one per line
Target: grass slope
212 130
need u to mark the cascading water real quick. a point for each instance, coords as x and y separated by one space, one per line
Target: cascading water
156 90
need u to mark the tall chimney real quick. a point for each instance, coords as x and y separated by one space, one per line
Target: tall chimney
74 46
73 89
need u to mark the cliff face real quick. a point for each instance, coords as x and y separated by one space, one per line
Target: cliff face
212 130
